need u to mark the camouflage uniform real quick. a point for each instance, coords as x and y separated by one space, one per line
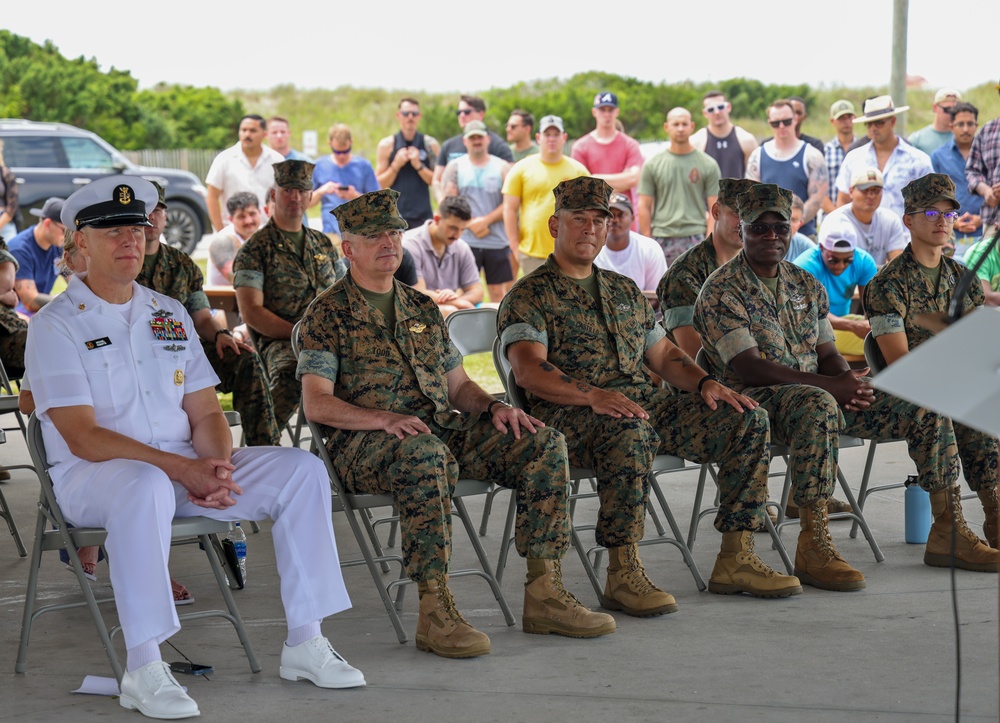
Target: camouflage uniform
174 274
403 370
679 287
603 344
900 292
736 312
13 329
289 282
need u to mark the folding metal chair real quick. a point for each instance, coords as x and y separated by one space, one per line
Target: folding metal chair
183 529
662 463
351 504
8 405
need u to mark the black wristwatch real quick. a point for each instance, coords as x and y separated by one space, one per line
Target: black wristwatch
706 378
222 331
489 408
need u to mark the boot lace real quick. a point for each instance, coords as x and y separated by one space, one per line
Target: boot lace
557 584
821 533
961 526
636 576
755 561
448 605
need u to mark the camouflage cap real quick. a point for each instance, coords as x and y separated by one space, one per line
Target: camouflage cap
161 199
730 190
926 191
584 192
370 213
294 174
763 197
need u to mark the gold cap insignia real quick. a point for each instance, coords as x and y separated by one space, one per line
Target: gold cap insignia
124 195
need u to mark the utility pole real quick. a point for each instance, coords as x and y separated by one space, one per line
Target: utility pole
897 80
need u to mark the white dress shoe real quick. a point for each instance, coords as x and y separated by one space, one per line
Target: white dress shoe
316 661
153 690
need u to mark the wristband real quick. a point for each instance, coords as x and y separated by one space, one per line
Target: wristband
706 378
489 408
222 331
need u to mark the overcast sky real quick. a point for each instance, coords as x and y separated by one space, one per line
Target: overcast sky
451 45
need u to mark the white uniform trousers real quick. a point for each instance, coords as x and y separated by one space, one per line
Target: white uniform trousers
136 501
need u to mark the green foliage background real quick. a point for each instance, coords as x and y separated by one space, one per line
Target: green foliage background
38 83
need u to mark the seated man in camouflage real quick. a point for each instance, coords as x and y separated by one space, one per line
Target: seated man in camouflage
13 329
277 273
380 373
763 324
171 272
577 337
922 281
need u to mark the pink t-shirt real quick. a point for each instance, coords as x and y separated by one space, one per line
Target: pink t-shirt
614 157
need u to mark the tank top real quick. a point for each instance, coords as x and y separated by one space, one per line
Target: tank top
727 153
790 174
414 202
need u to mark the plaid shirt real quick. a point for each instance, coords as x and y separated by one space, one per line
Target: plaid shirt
834 154
983 165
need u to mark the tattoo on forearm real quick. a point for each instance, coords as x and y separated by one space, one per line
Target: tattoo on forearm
582 386
684 360
546 367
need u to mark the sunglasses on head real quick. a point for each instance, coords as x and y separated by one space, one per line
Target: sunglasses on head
783 122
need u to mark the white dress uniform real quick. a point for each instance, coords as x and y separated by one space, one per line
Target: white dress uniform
133 363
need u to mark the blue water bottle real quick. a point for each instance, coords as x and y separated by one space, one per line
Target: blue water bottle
917 504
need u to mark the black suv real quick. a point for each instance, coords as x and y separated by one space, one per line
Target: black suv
55 159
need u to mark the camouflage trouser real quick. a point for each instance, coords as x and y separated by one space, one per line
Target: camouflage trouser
810 422
421 471
674 246
243 375
621 451
12 352
285 388
979 452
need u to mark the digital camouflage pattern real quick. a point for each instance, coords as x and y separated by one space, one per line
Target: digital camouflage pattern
898 294
174 274
679 287
730 190
370 213
294 174
161 197
13 329
924 192
289 282
583 193
762 198
603 345
346 340
735 313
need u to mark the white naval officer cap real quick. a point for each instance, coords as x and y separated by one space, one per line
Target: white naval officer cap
111 201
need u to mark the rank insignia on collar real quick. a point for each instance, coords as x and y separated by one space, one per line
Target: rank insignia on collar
320 257
418 328
623 307
82 306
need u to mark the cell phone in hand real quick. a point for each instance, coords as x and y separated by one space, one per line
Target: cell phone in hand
342 187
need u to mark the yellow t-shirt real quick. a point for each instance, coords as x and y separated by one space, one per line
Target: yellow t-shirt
533 180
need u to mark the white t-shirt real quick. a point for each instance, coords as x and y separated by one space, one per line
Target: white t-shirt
231 173
884 234
642 261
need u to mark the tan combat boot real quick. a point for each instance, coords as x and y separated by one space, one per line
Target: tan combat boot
629 589
739 569
441 629
989 499
817 561
551 608
971 553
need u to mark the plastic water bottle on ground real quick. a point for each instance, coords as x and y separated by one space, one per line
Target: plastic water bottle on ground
236 555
